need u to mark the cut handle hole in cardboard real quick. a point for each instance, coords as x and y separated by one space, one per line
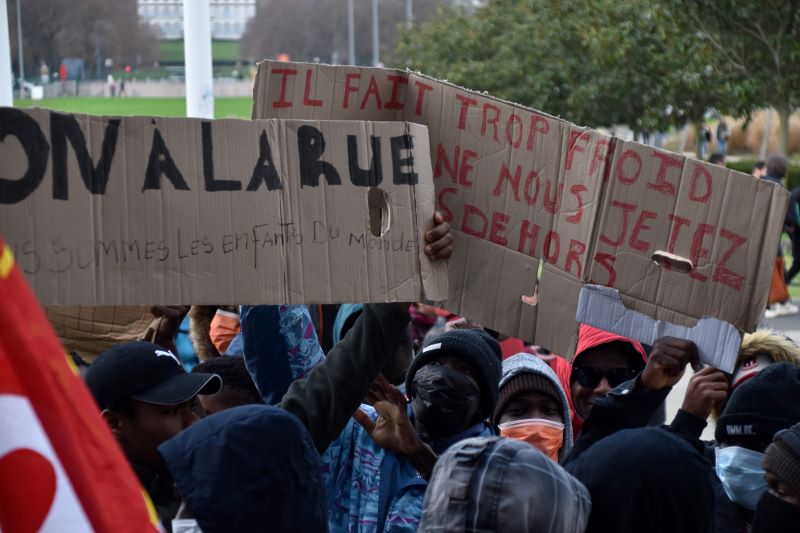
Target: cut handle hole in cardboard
669 261
533 299
380 216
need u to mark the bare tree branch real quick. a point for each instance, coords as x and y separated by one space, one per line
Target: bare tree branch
733 59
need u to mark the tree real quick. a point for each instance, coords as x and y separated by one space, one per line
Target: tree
653 72
592 62
520 51
309 29
54 29
758 41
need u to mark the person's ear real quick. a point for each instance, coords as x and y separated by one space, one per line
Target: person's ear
116 422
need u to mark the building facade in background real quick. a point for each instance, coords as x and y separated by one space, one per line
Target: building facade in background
228 17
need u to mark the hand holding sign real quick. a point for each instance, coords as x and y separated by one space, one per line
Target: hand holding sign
439 245
439 239
667 361
164 327
707 388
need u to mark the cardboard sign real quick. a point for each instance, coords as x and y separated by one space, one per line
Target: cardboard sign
717 341
534 198
146 211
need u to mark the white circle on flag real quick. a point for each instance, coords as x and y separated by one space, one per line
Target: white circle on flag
20 429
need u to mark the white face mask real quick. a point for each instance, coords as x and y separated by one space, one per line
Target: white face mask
185 525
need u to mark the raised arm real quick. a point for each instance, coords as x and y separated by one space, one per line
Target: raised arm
329 396
280 346
633 403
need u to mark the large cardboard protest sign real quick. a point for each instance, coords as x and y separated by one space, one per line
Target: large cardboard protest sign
144 211
531 196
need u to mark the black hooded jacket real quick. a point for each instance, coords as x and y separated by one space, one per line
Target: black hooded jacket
646 479
249 469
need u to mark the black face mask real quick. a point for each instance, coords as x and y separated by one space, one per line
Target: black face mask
445 401
774 515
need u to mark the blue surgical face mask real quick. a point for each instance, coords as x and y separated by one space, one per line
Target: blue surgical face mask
741 472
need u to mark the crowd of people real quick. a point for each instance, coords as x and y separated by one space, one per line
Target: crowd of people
411 419
780 302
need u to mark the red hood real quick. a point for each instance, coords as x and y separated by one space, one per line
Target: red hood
590 337
563 370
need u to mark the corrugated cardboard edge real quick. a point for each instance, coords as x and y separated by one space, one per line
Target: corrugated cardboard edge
433 273
717 341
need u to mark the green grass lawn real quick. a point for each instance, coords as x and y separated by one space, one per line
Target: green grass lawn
162 107
172 51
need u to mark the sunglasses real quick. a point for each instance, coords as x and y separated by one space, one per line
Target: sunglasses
590 377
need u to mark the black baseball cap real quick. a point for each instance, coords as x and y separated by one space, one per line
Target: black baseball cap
147 372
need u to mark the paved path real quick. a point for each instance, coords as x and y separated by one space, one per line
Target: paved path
788 325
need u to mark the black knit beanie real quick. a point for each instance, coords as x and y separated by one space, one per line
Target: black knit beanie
525 382
783 457
762 405
472 345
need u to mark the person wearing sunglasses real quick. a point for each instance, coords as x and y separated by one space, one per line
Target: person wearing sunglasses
602 361
615 386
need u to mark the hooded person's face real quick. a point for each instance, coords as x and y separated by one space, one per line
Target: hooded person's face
536 418
781 490
532 404
595 373
446 397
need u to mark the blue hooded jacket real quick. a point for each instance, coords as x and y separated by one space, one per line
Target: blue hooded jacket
252 468
345 318
278 332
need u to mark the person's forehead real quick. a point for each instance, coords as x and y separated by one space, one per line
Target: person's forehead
148 407
774 479
450 359
751 443
532 397
605 356
213 403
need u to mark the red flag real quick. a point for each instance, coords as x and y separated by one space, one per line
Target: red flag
60 467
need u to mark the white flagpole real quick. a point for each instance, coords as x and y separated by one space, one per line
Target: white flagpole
197 55
6 77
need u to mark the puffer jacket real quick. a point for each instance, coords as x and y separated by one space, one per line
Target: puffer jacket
496 484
